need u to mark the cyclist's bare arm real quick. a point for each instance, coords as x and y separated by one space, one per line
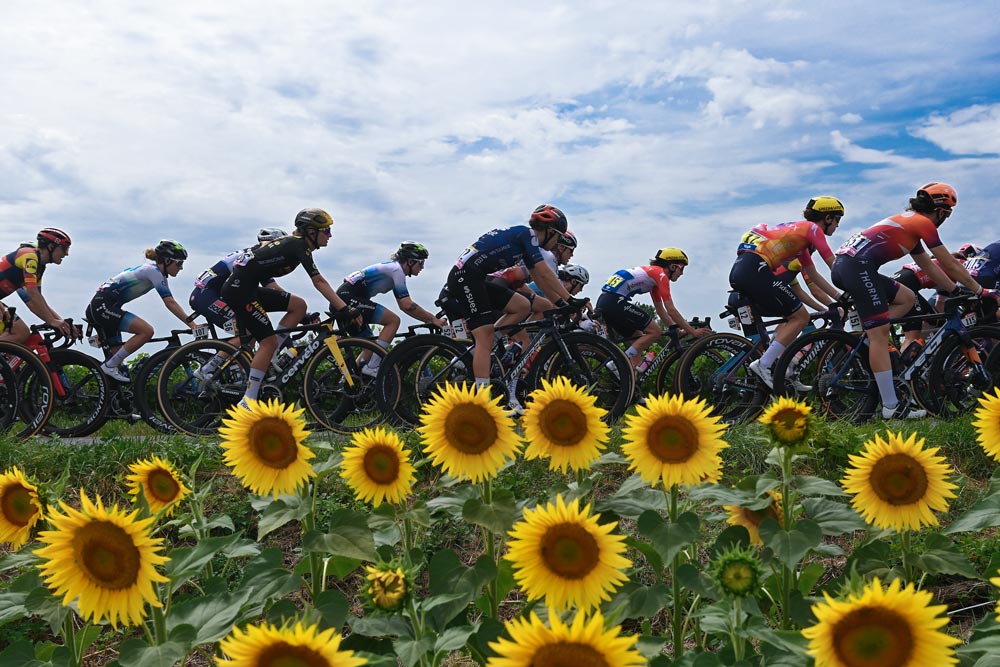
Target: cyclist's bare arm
410 307
951 266
674 317
39 306
549 282
178 312
815 278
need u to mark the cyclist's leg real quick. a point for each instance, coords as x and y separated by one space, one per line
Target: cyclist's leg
468 289
251 315
629 321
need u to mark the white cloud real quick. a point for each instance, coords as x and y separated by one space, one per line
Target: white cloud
972 131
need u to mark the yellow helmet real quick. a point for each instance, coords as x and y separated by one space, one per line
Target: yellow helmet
670 256
825 205
314 218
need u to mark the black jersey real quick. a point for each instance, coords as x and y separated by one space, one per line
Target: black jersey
260 264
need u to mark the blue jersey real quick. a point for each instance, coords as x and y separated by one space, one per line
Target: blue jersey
379 279
501 248
134 282
985 265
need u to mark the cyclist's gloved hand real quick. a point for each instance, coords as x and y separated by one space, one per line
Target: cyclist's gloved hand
577 302
349 319
990 293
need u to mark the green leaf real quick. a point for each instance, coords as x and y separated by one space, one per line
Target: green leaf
411 650
380 626
695 581
217 522
490 630
449 576
940 556
633 600
279 512
48 607
267 579
984 514
137 653
809 576
650 646
333 606
454 638
13 598
669 538
186 562
633 498
790 546
872 557
350 537
497 516
807 485
20 653
454 500
212 617
647 550
833 518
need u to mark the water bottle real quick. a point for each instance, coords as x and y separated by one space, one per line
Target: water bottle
646 361
286 357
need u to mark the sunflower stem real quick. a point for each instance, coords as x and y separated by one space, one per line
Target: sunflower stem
904 547
407 530
739 646
787 575
492 588
316 569
159 620
677 608
70 641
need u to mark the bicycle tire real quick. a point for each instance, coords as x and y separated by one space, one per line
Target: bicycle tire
194 406
83 394
666 375
399 389
144 383
594 364
827 360
715 369
338 406
9 395
30 378
954 384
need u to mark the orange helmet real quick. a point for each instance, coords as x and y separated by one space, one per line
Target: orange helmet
942 194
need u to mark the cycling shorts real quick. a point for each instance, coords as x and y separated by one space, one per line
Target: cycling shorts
208 302
474 298
872 292
252 306
907 278
621 315
107 316
356 296
752 277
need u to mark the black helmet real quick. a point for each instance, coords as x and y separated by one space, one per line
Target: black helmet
313 218
568 240
547 215
170 250
411 250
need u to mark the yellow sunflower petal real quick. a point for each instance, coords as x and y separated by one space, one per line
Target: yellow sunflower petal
20 508
583 643
674 440
987 423
561 553
159 483
894 627
563 424
104 558
271 646
265 447
377 467
467 434
751 519
897 483
787 421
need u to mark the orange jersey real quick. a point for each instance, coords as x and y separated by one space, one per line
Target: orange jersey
891 238
787 241
20 268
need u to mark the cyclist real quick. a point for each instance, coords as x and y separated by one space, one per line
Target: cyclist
983 264
879 298
360 287
206 298
105 310
251 302
22 270
476 299
761 255
629 320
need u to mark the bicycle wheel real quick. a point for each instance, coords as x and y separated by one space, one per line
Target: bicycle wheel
335 404
414 368
954 381
144 383
715 368
82 391
193 405
28 396
666 375
591 363
834 364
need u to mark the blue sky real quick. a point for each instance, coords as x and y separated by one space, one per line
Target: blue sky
649 124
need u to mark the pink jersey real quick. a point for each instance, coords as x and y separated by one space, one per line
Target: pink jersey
891 238
787 241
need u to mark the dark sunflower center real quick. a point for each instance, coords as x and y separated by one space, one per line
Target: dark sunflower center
568 654
563 423
282 654
382 464
570 551
898 479
107 554
162 486
16 506
470 428
738 577
873 637
673 439
273 443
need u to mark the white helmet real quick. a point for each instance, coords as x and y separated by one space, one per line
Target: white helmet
267 234
575 272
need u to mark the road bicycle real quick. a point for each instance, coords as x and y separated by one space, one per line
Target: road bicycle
27 396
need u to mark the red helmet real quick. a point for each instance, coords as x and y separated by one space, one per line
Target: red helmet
549 216
53 236
942 194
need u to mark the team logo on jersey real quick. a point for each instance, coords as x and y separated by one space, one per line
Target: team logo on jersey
31 265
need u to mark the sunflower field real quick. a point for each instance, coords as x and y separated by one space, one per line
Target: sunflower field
554 541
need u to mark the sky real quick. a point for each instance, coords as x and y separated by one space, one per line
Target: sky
649 124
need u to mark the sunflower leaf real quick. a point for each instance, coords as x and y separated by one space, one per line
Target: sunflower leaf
984 514
833 518
279 512
497 516
409 651
789 546
808 485
137 653
186 562
940 556
632 498
212 617
350 537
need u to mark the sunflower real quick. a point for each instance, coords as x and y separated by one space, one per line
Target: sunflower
584 643
20 508
562 423
377 467
561 553
751 519
897 483
737 572
104 557
466 433
675 440
787 421
987 423
157 480
265 449
996 582
386 586
894 627
271 646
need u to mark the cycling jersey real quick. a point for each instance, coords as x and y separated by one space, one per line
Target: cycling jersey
639 280
891 238
500 249
921 275
213 278
378 279
277 258
789 240
985 265
133 283
206 297
518 275
20 268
